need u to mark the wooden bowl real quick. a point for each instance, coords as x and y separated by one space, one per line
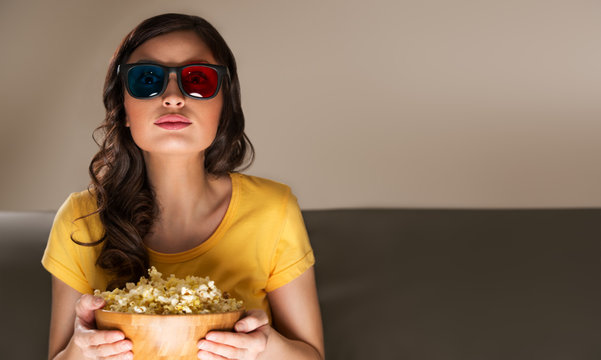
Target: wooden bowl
165 336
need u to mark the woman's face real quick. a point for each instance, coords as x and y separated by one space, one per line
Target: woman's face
173 49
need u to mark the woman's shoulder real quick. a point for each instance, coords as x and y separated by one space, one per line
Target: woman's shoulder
258 195
263 200
261 188
78 204
78 216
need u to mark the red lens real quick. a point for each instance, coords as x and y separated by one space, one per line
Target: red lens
200 81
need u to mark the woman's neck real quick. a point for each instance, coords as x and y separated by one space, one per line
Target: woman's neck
180 184
191 203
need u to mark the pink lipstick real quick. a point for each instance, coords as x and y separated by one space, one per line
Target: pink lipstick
172 122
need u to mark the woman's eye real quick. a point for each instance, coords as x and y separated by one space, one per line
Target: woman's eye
196 78
148 79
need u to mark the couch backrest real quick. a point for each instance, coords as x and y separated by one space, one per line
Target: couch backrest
398 284
459 284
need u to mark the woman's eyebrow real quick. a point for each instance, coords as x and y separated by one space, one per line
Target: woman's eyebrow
195 61
146 61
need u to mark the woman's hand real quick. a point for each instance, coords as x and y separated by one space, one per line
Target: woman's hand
249 340
93 343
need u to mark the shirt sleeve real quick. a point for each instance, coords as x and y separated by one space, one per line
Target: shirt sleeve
293 254
62 256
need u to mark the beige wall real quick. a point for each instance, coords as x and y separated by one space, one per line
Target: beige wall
429 103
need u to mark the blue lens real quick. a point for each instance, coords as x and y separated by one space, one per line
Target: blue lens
145 80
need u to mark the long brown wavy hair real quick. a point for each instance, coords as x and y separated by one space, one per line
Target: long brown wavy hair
126 201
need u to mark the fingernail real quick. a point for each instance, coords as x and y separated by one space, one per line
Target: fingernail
98 300
240 327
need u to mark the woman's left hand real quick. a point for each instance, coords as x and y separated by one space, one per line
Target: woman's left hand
249 340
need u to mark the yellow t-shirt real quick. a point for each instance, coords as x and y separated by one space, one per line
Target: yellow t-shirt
260 245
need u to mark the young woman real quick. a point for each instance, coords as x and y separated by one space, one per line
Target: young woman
165 193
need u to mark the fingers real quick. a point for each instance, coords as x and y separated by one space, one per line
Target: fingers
101 343
253 320
209 348
88 337
93 343
205 355
231 345
115 350
251 338
124 356
85 306
119 348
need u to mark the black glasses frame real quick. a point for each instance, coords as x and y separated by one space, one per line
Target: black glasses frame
222 71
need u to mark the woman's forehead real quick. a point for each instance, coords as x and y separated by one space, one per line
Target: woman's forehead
173 49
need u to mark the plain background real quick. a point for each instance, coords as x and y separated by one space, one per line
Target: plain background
412 103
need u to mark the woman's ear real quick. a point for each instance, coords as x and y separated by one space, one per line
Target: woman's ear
127 121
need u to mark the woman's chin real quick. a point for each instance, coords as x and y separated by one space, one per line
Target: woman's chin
173 152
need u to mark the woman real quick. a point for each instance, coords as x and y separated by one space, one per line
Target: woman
164 193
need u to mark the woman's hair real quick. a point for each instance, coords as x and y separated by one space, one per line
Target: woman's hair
126 201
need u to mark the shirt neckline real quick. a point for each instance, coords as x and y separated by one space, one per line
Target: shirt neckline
155 256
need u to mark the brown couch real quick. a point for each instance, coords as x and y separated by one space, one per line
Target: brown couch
398 284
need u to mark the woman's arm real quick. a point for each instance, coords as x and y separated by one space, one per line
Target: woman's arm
62 316
72 328
296 334
296 316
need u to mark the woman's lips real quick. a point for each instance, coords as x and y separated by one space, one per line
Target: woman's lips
173 125
173 122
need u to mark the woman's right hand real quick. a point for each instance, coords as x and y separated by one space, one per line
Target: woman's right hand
93 343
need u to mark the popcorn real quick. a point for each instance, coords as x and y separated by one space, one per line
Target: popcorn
193 295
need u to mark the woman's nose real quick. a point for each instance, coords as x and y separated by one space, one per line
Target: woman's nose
173 97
